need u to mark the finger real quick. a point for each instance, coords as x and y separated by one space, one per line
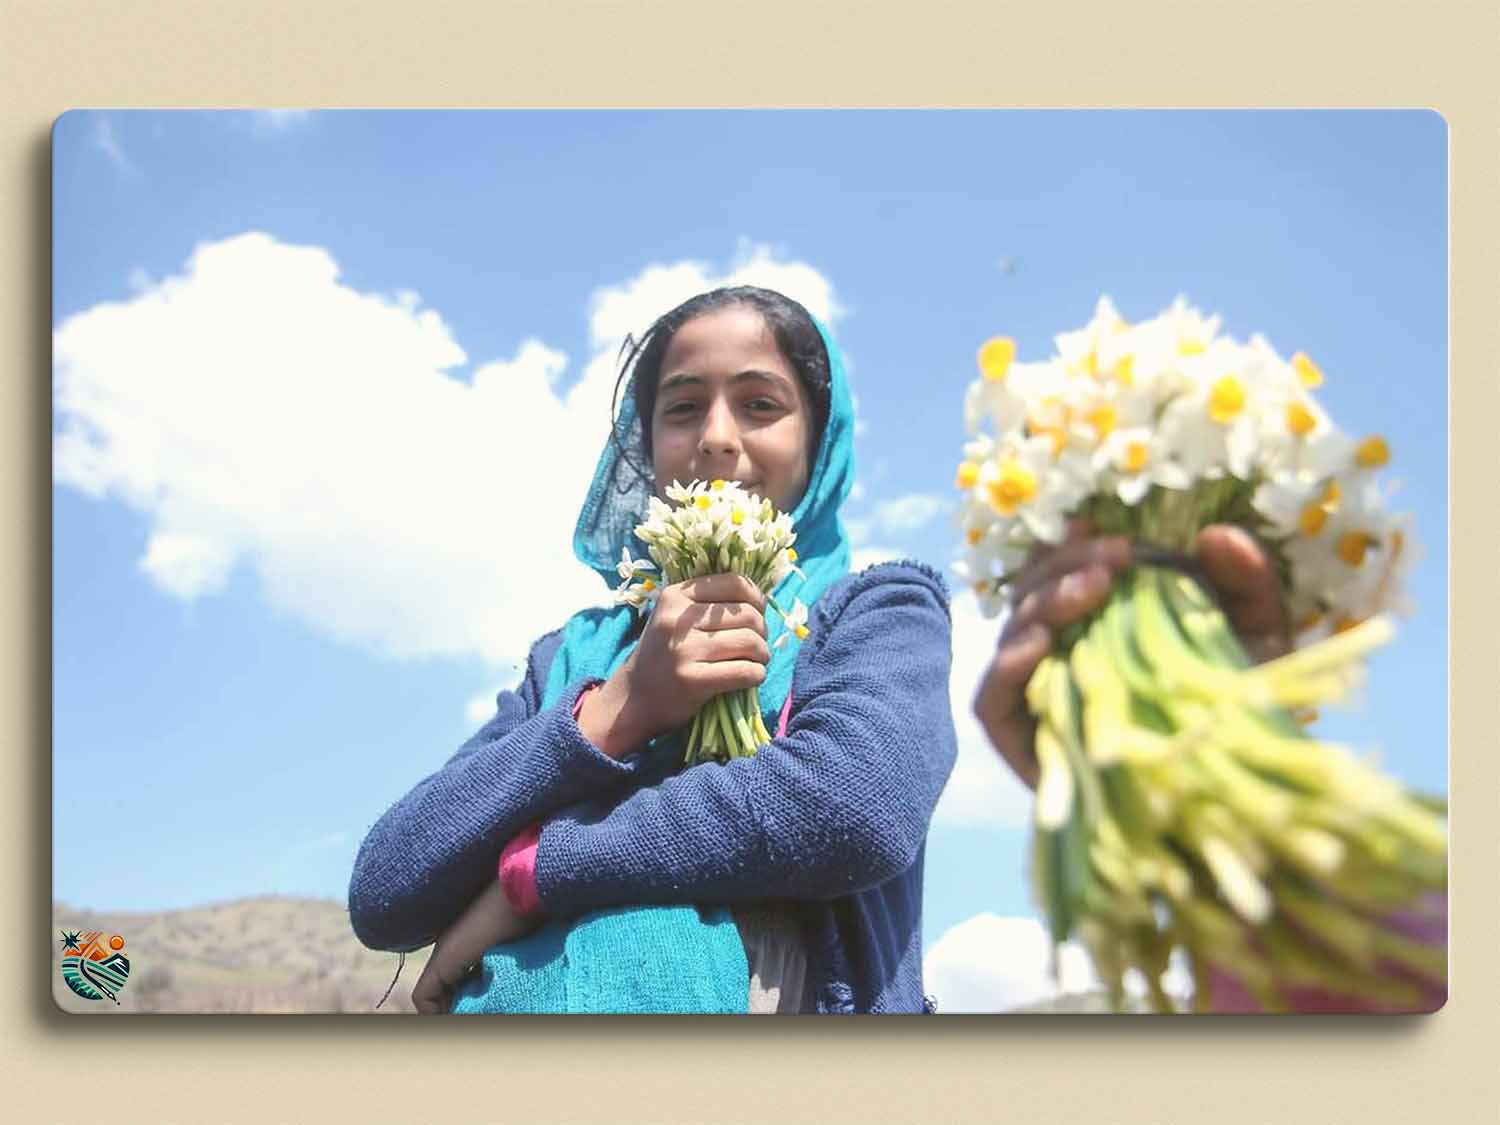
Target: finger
426 995
727 675
1000 701
1067 598
1077 528
724 588
1113 552
726 615
1244 577
734 644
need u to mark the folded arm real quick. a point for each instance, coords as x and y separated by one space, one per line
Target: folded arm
840 803
433 851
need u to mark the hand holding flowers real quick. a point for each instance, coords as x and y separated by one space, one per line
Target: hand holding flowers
703 653
1181 804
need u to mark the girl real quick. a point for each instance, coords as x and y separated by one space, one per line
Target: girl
814 846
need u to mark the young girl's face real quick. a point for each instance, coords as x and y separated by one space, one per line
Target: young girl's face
729 405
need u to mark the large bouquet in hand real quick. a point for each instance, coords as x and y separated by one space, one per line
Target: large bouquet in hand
716 527
1182 803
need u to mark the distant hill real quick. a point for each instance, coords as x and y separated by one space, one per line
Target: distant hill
272 953
277 953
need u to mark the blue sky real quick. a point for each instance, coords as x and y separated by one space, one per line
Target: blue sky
230 717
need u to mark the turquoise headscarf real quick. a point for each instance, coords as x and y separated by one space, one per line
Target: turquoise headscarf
661 958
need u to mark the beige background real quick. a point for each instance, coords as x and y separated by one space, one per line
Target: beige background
61 55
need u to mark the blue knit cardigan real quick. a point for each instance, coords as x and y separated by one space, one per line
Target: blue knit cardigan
832 818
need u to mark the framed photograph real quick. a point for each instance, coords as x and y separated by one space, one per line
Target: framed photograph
767 562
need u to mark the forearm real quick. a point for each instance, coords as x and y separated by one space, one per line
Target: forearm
840 803
433 851
818 845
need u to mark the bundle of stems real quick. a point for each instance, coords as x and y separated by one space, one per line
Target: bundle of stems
1182 805
717 527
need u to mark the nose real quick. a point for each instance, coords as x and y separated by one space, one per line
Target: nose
719 434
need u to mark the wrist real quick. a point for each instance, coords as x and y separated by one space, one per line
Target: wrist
608 720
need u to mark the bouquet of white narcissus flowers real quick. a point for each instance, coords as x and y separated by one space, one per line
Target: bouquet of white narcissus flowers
716 528
1181 803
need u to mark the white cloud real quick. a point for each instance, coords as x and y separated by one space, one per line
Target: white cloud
894 517
981 790
907 513
260 413
869 556
106 141
990 963
480 708
273 121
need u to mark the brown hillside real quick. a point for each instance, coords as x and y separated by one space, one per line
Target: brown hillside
265 954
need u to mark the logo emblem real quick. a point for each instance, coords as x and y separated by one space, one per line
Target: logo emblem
94 966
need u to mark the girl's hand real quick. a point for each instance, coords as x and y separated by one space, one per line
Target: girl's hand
1063 584
489 920
706 636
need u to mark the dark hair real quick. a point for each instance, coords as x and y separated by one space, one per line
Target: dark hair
796 334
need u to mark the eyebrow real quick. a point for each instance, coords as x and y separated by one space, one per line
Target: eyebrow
685 378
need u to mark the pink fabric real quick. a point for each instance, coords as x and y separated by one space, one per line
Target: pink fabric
1429 925
578 703
518 858
518 871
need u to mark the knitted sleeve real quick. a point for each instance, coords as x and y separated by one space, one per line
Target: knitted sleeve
840 803
432 852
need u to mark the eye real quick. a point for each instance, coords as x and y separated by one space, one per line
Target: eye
763 404
678 410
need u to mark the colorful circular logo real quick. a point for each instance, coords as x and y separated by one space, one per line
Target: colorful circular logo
94 966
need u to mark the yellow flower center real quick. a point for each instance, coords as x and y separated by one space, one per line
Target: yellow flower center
1312 519
1016 486
801 632
974 536
1372 453
981 587
1103 418
1344 623
703 502
1137 453
1189 345
736 517
791 555
1352 547
968 473
1300 420
1227 400
1058 435
717 485
1125 371
1307 371
1331 495
648 585
995 358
